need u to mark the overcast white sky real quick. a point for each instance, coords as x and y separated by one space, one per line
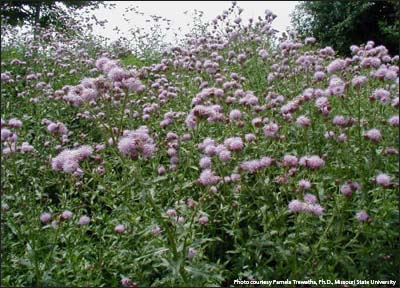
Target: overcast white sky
173 10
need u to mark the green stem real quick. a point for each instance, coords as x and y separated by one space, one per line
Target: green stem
316 247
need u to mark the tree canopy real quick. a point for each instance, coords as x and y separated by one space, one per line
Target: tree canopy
41 12
342 23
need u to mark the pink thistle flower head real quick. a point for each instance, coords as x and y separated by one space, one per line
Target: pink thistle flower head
355 186
66 215
303 121
171 152
70 166
270 129
290 160
156 230
89 94
316 209
312 162
219 148
126 282
205 162
45 217
190 203
5 207
225 156
318 76
336 86
342 138
358 81
394 120
54 224
235 114
382 95
171 212
340 120
329 135
250 137
336 65
186 137
52 127
309 40
148 150
191 253
255 165
203 220
295 206
84 220
383 180
210 150
15 123
207 142
133 84
321 102
310 198
263 53
85 151
5 134
304 184
362 216
174 160
213 189
161 170
120 228
391 75
346 190
208 178
137 141
234 144
250 165
373 135
108 66
395 102
179 219
26 147
235 177
256 122
101 62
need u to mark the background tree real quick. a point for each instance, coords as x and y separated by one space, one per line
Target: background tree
342 23
41 12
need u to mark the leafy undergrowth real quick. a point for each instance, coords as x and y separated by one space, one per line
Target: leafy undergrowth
231 158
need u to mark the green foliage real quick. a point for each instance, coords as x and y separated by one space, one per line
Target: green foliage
41 12
342 23
131 59
250 233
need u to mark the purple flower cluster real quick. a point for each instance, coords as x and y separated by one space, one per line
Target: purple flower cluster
9 138
349 187
374 135
309 204
208 178
57 128
136 142
313 162
68 160
255 165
